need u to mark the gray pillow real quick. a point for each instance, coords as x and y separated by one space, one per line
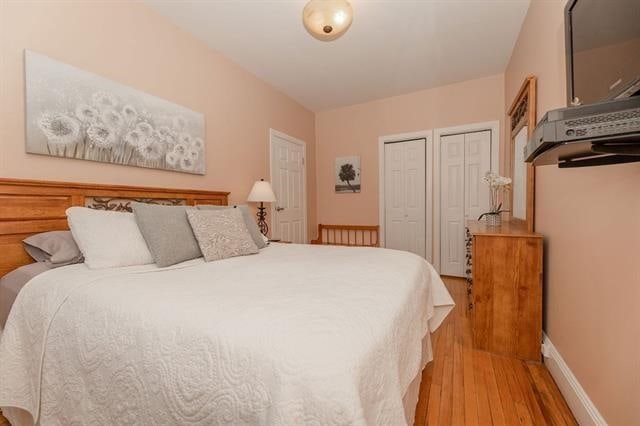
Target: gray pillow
54 248
221 233
167 232
12 283
251 224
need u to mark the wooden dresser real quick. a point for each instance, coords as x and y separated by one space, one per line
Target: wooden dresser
504 278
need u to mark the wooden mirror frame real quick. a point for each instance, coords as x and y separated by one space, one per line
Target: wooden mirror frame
523 113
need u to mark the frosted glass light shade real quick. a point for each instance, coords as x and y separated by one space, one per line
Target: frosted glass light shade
262 192
327 20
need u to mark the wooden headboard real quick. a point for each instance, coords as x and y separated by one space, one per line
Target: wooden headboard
28 207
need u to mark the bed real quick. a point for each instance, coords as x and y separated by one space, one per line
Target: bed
296 334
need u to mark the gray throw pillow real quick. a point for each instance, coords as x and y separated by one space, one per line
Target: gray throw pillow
12 283
251 224
221 233
167 232
54 248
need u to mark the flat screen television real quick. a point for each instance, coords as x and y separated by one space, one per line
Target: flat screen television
603 50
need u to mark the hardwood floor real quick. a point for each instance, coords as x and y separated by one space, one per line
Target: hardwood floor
465 386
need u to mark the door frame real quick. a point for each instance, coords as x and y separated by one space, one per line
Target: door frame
272 210
494 128
427 135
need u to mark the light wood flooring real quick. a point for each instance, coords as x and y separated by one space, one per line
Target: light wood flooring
465 386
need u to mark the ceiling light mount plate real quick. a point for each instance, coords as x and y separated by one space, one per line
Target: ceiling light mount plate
327 20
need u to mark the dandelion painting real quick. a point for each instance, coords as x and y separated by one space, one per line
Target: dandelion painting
347 174
75 114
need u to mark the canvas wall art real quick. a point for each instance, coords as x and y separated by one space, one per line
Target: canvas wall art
76 114
347 174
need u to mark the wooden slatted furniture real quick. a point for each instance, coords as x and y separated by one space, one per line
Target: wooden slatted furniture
28 207
505 288
348 235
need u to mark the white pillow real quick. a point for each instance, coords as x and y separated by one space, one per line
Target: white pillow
108 239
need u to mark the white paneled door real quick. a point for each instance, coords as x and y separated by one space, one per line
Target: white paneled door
404 180
288 182
452 197
464 160
477 162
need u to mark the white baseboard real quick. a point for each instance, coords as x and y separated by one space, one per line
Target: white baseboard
579 402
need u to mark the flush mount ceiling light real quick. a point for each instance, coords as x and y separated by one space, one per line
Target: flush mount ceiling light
327 20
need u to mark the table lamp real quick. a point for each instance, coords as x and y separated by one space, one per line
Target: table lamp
262 193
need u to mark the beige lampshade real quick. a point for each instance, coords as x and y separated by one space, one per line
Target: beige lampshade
262 192
327 20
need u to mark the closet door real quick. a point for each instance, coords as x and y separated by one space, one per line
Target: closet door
477 160
415 186
394 196
405 186
465 159
452 197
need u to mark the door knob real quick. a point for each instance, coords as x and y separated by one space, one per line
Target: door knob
279 209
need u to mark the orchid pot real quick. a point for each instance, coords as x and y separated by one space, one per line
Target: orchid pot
499 187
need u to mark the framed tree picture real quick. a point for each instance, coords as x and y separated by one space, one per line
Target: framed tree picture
347 174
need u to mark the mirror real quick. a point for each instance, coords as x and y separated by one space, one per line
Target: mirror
519 185
522 121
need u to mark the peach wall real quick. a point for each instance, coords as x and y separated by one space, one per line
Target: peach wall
129 43
354 130
591 222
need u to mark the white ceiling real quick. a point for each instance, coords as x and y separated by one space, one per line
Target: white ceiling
392 47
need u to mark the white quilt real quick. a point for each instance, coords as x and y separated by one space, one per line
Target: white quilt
294 335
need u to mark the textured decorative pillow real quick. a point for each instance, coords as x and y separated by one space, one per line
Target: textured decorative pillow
108 239
251 224
221 233
54 248
167 233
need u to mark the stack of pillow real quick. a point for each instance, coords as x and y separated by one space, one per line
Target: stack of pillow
164 235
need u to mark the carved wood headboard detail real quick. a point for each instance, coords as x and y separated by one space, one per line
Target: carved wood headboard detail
28 207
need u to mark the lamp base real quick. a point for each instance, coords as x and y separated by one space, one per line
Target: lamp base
262 219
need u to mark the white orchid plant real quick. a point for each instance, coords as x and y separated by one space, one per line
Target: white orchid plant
499 186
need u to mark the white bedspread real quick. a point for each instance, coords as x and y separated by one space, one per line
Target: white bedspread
297 334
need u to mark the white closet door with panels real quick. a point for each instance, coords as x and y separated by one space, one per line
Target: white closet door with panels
464 160
405 201
477 155
452 204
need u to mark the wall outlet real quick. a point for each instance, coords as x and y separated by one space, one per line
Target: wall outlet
546 351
